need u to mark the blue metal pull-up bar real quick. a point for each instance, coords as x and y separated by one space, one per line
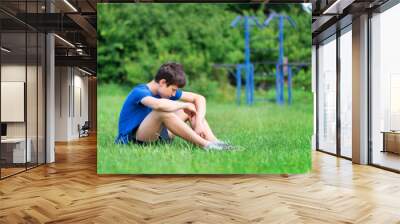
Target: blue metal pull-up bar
280 76
248 21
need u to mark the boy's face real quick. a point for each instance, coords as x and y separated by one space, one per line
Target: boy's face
166 91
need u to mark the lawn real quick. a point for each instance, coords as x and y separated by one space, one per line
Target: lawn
269 138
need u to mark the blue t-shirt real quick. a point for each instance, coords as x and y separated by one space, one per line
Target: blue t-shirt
133 111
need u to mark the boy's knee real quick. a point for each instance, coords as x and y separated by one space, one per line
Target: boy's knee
164 114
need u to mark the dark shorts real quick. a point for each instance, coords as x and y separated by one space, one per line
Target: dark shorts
163 138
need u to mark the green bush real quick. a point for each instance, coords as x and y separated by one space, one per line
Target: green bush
302 80
203 86
135 39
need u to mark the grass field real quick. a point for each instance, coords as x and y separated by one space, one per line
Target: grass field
270 138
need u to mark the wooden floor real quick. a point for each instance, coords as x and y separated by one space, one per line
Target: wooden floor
10 171
70 191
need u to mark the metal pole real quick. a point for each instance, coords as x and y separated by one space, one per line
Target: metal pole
281 39
289 84
238 84
281 79
252 83
247 40
248 83
247 59
277 83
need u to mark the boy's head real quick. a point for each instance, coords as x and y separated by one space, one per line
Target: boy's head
170 77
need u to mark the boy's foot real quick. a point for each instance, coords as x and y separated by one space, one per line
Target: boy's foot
224 143
218 145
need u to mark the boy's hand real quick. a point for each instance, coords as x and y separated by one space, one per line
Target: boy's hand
197 126
199 129
190 110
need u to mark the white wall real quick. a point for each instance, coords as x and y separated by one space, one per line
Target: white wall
62 81
33 126
12 73
15 72
71 87
13 100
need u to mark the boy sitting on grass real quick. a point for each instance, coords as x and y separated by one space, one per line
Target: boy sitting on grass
152 113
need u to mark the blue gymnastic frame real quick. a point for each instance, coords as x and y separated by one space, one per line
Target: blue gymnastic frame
248 67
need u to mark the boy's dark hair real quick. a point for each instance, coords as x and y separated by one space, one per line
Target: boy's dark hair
172 73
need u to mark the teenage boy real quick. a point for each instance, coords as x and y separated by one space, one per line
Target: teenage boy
152 112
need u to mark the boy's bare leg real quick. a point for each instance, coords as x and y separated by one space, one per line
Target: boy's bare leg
183 116
149 129
208 132
209 135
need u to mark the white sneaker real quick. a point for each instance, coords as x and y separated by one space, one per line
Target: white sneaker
225 144
218 145
214 146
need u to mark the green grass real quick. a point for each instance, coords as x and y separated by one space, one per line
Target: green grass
271 139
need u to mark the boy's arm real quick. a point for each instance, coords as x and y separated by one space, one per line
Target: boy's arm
200 102
166 104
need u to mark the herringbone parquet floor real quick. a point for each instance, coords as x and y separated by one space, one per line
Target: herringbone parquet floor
70 191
